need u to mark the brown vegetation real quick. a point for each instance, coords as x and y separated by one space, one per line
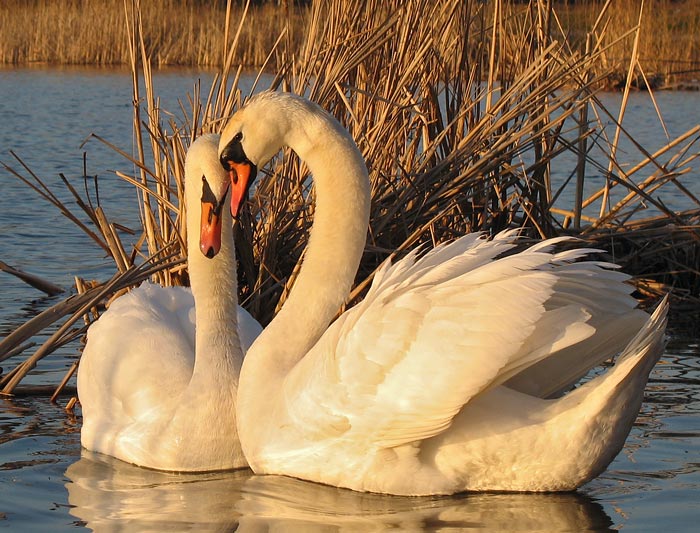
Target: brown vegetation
448 153
189 32
177 32
668 50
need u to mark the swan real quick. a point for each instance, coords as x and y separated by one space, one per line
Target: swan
450 375
158 376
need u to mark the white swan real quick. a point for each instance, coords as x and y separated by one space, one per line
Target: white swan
445 378
157 381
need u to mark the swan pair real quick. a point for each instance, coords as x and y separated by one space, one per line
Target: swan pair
449 376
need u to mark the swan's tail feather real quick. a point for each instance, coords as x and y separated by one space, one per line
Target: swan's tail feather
650 342
628 376
609 311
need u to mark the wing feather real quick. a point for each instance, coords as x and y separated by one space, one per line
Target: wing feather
435 331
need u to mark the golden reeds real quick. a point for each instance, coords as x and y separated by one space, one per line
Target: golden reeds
177 32
668 50
462 112
189 32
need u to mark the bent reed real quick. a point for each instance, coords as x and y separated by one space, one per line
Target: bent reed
465 115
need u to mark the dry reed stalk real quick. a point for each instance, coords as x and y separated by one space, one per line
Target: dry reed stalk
662 255
47 287
64 382
623 107
664 173
37 185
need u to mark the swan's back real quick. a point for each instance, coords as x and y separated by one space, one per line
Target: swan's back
139 353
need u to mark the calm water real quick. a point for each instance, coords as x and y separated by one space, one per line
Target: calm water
47 483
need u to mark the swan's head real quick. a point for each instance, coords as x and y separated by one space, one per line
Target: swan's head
207 181
256 132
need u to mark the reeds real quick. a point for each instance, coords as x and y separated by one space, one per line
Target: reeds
668 52
189 32
448 153
177 32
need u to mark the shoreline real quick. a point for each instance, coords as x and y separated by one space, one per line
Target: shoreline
613 85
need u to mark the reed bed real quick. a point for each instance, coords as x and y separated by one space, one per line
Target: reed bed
448 153
668 52
189 32
177 32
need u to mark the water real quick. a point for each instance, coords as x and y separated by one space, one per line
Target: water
47 483
679 113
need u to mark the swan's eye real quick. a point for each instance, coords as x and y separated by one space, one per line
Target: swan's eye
238 137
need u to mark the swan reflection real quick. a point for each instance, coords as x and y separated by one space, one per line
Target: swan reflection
109 495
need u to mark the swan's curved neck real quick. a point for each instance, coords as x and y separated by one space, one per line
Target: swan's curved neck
335 247
218 352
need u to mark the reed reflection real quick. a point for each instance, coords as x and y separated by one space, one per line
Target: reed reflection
109 495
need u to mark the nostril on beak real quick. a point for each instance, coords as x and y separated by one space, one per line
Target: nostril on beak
210 252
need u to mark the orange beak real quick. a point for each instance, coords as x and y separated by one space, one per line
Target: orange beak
210 227
210 230
241 175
